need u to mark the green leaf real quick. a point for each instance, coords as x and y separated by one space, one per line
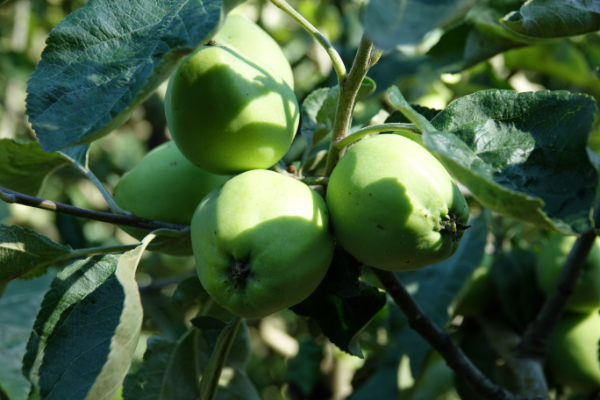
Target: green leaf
105 59
171 370
513 274
477 38
383 382
342 305
318 114
78 154
23 250
522 154
367 87
555 18
18 308
85 334
304 370
445 279
390 22
188 292
319 108
24 167
413 116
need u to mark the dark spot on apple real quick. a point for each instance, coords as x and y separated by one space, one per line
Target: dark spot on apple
426 214
408 262
369 194
380 227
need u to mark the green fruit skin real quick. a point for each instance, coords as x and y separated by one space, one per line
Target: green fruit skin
228 113
586 293
252 40
271 224
387 197
165 186
479 292
573 359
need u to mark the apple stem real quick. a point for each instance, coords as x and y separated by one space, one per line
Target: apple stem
347 98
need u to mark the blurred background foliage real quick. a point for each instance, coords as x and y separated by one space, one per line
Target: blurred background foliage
286 362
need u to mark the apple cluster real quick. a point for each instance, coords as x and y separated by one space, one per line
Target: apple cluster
262 240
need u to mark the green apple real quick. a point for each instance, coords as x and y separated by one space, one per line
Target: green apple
479 290
393 205
165 186
261 243
586 293
250 39
228 113
573 359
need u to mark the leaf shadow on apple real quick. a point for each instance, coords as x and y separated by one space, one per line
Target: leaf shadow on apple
222 111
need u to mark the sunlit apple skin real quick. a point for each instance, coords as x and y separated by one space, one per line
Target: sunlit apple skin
261 242
586 293
252 40
228 113
573 359
388 198
165 186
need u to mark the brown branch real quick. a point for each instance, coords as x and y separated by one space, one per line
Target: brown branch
441 341
10 196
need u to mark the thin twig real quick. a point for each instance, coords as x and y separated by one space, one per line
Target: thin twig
441 341
10 196
338 64
348 91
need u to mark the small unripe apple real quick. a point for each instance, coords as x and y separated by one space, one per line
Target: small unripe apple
229 113
261 243
165 186
252 40
393 205
573 359
586 293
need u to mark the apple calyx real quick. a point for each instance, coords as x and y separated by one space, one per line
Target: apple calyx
239 272
452 226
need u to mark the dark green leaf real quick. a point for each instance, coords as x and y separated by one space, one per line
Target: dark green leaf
18 308
444 279
513 274
78 154
85 334
304 370
478 38
382 383
342 305
522 154
188 292
317 114
391 22
555 18
24 167
105 59
23 250
169 371
367 87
